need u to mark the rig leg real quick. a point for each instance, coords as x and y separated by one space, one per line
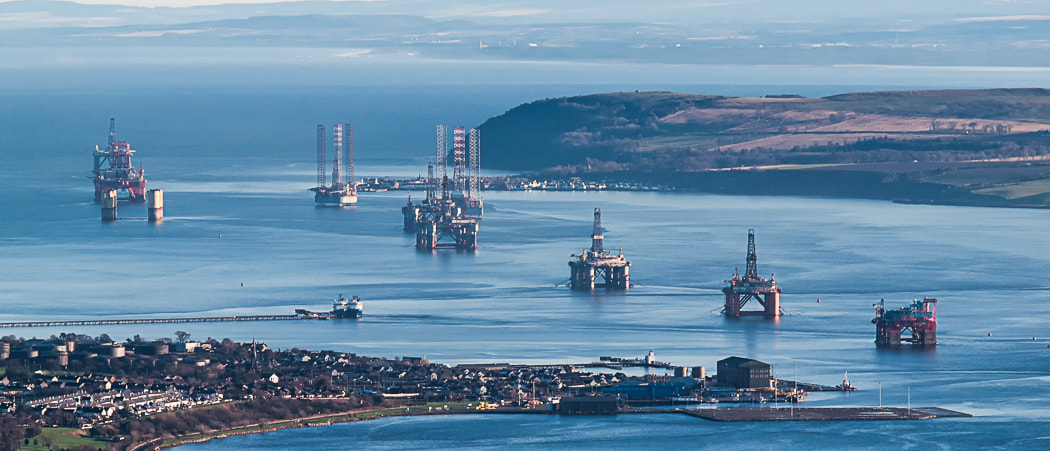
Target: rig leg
109 206
156 205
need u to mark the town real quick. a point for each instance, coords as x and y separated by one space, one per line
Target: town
104 386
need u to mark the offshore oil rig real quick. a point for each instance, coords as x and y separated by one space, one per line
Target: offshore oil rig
919 319
597 263
340 193
448 216
113 170
739 291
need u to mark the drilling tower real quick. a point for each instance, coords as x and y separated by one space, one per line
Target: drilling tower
739 291
597 268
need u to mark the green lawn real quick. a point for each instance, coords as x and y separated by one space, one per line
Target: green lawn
1019 190
63 438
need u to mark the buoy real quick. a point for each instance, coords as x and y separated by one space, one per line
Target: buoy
818 300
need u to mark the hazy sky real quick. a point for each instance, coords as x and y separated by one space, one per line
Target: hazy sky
746 10
507 38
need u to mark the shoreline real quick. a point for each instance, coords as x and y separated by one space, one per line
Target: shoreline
891 184
731 414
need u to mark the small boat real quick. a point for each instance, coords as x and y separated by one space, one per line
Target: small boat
845 386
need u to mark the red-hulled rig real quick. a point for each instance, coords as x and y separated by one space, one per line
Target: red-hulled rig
113 170
918 319
741 290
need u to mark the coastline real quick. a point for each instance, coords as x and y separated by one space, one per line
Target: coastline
995 184
732 414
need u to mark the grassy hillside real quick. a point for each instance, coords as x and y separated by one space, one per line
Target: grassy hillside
684 132
684 137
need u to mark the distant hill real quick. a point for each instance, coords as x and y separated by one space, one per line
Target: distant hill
690 140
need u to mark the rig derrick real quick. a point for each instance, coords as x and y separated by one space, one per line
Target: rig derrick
441 224
447 219
740 290
597 267
113 170
919 319
341 193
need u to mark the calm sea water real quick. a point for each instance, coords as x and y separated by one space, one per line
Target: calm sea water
241 236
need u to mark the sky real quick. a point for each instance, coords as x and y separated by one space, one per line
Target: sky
680 37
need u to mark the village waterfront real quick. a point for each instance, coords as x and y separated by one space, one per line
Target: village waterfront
241 236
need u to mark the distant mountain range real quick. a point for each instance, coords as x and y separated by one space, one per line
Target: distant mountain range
984 147
674 32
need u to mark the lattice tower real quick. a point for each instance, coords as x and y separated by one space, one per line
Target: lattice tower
320 156
752 258
348 129
597 245
459 159
337 163
431 183
442 143
475 164
112 131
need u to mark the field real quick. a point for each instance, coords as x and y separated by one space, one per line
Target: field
62 438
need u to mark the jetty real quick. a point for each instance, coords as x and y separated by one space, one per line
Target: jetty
106 322
739 414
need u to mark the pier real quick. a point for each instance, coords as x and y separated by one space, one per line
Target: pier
736 414
106 322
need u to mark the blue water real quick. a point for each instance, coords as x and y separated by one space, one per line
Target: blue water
241 236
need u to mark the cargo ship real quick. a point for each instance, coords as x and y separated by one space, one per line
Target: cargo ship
343 308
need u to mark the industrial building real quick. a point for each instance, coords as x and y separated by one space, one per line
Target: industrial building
637 390
597 267
738 372
588 405
739 291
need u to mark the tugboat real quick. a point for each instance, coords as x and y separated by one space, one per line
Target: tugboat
845 386
343 308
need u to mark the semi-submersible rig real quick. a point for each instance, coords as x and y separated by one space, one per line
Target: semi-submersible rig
448 216
741 290
597 267
918 319
113 171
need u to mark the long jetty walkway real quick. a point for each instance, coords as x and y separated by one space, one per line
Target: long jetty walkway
734 414
105 322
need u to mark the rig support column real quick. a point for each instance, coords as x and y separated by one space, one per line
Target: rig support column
109 206
156 205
